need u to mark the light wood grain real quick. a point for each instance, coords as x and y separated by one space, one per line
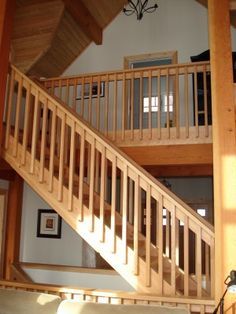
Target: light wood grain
116 233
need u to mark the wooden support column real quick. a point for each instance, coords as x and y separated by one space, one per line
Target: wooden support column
224 144
6 23
13 225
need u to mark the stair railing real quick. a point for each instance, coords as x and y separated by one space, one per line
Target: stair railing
92 179
157 104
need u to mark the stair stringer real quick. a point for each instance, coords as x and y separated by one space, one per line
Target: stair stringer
82 227
20 152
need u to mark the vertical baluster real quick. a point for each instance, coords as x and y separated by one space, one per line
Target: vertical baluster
52 148
53 87
98 104
115 108
35 131
173 250
196 102
26 124
82 97
67 93
74 95
148 236
167 233
81 174
9 108
141 106
123 107
102 194
186 102
72 166
60 89
17 117
205 102
167 102
132 106
88 162
90 100
212 266
176 104
113 204
207 267
91 184
124 213
137 203
186 256
106 104
160 241
177 248
97 168
198 261
43 141
61 158
130 200
159 104
150 103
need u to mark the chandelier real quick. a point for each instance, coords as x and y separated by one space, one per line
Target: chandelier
139 7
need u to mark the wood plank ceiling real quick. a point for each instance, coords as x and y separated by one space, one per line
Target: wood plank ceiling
49 35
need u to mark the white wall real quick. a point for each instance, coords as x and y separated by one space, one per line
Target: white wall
176 25
85 280
4 184
64 251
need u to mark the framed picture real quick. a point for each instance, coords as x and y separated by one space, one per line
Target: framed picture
48 224
94 90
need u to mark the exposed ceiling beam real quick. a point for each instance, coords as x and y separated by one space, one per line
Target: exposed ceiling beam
84 19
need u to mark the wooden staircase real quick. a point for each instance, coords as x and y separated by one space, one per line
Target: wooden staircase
139 227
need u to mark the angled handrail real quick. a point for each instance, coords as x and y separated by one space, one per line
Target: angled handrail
149 228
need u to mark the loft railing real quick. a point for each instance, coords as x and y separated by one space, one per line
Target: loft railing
137 224
195 306
160 104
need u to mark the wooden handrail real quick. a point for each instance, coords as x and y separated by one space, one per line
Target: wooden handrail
158 105
134 220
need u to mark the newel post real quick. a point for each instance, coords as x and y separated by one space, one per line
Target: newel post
7 8
224 144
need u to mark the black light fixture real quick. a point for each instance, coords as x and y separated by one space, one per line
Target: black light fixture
139 7
231 287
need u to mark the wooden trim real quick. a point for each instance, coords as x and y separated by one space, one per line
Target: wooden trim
173 55
7 8
224 146
18 274
194 305
3 198
193 154
66 268
13 225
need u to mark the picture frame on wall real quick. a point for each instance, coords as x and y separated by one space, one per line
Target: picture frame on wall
48 224
94 92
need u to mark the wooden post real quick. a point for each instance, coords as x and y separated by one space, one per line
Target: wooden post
224 144
6 23
13 225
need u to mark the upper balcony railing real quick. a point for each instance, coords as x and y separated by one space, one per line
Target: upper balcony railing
160 105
